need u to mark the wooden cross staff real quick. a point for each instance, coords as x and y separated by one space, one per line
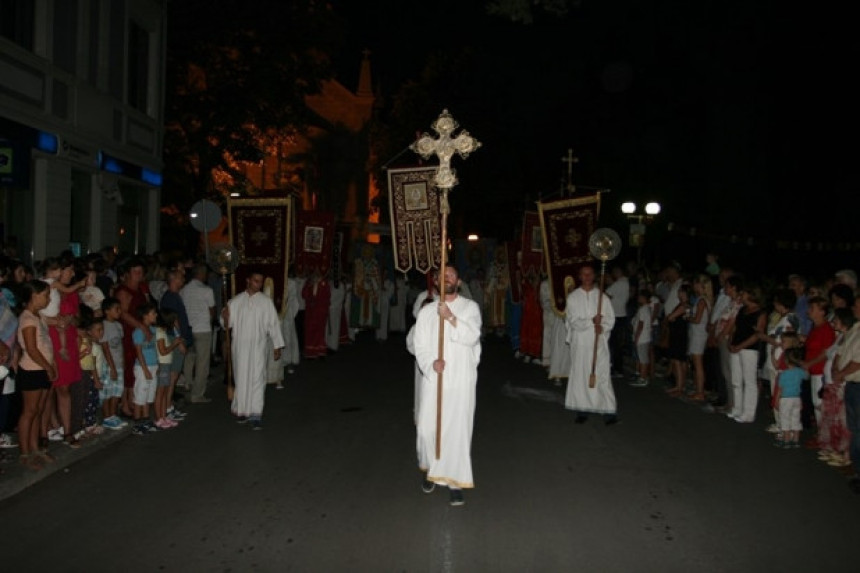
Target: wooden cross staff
444 147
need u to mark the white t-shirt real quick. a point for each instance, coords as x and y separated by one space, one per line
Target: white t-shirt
113 336
198 298
619 291
53 308
643 315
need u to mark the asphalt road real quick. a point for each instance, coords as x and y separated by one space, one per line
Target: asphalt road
331 484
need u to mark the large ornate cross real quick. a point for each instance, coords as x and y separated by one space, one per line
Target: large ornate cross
444 147
570 159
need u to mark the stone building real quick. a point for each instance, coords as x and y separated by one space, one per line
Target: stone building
81 125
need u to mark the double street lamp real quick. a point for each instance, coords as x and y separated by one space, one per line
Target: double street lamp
638 220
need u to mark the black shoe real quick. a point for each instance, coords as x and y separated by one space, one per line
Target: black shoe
256 425
427 486
610 420
457 497
581 419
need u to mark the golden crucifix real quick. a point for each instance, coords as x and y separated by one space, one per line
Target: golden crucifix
444 147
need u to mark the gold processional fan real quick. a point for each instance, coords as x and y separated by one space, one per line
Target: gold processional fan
603 244
224 260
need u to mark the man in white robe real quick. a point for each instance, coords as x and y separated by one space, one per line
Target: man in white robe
252 320
397 312
549 316
292 353
583 324
459 369
335 308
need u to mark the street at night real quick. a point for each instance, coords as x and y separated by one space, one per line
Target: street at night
331 484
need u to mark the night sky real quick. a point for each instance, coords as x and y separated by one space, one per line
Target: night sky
709 108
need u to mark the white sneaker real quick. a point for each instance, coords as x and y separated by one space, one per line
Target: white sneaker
6 441
56 435
773 428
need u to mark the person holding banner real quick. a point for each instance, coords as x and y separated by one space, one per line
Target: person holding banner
588 317
462 353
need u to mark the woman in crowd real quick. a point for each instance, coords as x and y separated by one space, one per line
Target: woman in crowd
703 289
750 323
36 371
678 340
833 434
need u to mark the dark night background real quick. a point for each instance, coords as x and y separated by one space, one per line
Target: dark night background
724 112
711 108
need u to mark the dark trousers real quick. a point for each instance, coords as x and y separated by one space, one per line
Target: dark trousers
852 420
618 340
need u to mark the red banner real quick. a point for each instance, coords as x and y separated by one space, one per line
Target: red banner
567 225
315 241
260 230
531 244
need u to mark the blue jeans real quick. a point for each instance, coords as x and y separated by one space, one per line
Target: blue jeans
852 420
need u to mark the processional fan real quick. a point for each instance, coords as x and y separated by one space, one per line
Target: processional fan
603 244
224 260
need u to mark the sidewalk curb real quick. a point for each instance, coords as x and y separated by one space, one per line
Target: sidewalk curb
18 478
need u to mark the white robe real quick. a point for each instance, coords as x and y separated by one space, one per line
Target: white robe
416 401
559 355
290 354
397 312
462 353
549 316
253 322
581 308
384 306
332 331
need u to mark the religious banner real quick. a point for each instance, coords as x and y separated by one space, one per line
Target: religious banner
314 241
415 228
367 285
512 251
473 258
260 229
567 225
531 259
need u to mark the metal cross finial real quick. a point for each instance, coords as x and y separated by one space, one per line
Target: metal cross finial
570 159
445 147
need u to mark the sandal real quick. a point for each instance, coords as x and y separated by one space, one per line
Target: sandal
43 454
697 397
28 461
73 443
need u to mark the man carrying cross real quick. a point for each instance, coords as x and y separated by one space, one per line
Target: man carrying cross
459 369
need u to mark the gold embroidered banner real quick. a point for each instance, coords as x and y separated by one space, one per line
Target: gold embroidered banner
567 225
415 225
261 229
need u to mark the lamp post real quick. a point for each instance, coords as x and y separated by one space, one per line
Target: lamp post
637 224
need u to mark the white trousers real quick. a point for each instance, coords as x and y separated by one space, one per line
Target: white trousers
816 382
744 384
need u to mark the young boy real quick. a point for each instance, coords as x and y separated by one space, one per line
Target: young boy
642 337
112 377
786 400
92 357
145 369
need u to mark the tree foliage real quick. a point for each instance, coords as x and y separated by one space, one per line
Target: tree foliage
234 74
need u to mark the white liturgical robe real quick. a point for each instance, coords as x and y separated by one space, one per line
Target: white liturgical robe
580 311
462 353
253 322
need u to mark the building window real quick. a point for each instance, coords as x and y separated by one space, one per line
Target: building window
138 66
66 35
16 21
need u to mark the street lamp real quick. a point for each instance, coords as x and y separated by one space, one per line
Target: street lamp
637 224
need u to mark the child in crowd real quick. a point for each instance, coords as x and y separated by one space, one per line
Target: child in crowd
786 399
91 295
782 322
145 369
778 363
168 341
89 335
51 271
112 377
642 330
